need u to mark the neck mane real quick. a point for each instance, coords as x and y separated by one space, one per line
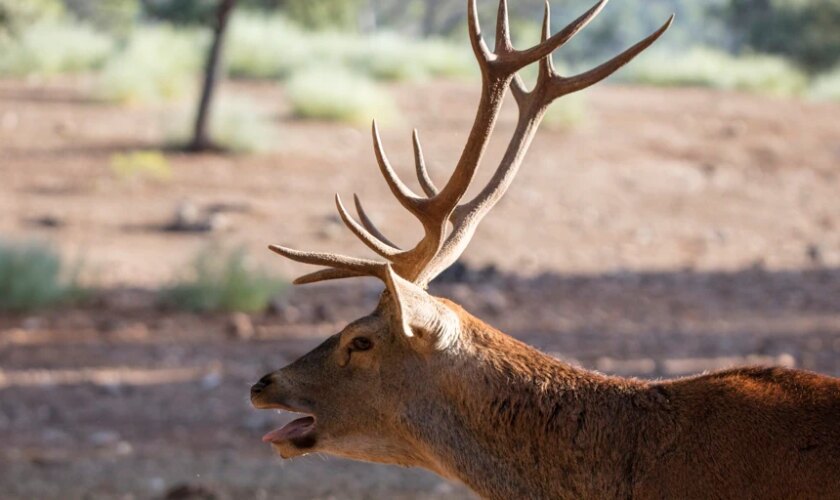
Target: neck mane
512 418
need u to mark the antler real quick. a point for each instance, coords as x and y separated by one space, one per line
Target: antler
440 207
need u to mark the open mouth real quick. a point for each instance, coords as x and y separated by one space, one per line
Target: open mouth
300 432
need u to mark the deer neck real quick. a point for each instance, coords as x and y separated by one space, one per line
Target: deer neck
506 420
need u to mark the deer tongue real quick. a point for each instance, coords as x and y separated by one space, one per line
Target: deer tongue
294 429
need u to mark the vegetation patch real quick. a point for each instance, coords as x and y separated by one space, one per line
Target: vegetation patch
159 63
339 95
33 276
703 67
141 164
220 280
52 47
260 46
826 87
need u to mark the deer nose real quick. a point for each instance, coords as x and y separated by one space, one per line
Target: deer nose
260 386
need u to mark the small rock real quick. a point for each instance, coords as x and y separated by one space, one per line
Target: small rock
241 326
323 313
189 492
104 438
494 300
284 311
32 323
456 273
123 448
211 380
814 254
47 221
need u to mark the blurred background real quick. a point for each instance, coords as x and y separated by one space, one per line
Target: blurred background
683 216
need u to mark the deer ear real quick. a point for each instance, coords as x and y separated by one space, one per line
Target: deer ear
418 316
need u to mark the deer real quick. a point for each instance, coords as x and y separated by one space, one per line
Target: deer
420 382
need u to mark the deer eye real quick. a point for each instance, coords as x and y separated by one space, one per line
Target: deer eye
361 344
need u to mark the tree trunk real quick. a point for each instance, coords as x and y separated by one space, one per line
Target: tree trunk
201 139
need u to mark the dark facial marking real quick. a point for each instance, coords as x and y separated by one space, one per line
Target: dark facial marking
305 442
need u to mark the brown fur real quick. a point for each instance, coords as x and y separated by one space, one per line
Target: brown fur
511 422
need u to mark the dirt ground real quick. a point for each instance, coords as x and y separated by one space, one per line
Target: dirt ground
675 231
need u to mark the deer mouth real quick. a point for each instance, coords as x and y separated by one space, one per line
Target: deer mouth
299 432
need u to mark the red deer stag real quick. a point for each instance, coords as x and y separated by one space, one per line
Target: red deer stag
421 382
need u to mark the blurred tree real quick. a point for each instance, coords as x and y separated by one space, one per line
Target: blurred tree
114 16
15 14
201 139
180 11
806 31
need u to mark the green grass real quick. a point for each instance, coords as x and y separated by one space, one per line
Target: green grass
159 63
54 46
221 280
703 67
339 95
826 87
33 276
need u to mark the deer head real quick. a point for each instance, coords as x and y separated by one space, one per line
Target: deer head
362 388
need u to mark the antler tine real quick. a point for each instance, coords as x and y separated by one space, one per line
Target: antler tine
403 193
369 225
546 69
333 260
518 59
330 273
503 43
482 53
562 86
420 164
367 238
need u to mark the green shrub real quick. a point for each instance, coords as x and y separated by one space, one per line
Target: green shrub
260 46
320 14
444 59
705 67
827 86
270 46
137 164
339 95
240 126
51 47
158 63
33 276
223 281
